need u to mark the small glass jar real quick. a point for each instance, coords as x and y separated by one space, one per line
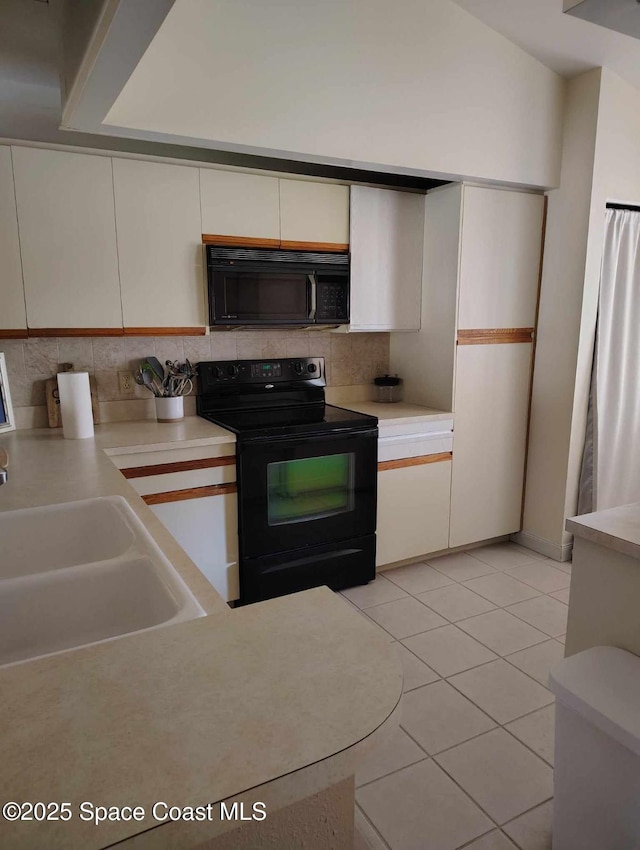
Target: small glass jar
387 389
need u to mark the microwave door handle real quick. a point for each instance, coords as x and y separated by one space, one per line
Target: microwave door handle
312 296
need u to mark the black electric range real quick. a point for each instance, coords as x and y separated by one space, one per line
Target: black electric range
306 471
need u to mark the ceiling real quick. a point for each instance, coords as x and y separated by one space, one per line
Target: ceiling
560 41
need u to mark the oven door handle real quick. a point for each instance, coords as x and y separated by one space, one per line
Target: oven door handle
311 559
303 440
312 288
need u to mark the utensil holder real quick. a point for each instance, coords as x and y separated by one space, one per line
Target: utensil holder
170 409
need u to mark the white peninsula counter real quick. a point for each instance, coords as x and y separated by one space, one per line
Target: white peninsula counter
273 703
604 601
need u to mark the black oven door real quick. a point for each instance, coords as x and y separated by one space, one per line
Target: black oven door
306 491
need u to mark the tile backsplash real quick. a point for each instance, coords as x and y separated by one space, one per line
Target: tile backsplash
351 360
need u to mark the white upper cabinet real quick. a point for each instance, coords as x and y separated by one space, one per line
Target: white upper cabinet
237 204
314 212
159 244
68 238
387 236
500 258
12 310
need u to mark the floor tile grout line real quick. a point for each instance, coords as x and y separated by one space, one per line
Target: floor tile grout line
524 743
426 757
493 820
497 725
466 793
434 757
528 811
484 710
373 827
498 604
505 657
501 569
537 628
468 844
497 654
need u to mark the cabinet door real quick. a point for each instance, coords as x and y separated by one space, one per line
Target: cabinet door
387 235
413 511
313 212
159 244
499 259
491 406
68 239
207 530
12 312
236 204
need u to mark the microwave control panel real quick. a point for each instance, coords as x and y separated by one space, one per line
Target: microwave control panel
333 302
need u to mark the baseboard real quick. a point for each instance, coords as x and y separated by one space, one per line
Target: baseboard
430 556
557 551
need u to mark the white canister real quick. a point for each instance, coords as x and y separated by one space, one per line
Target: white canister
170 409
75 405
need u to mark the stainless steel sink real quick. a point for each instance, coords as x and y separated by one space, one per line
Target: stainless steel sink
81 573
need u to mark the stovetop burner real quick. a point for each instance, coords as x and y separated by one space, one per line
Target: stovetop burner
300 420
259 399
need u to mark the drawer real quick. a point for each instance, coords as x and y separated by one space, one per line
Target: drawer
185 480
128 460
414 445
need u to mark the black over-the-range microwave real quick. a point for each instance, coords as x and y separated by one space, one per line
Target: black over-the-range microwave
255 286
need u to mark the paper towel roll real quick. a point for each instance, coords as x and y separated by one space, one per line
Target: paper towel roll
75 405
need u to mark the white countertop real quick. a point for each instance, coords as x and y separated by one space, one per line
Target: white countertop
273 701
615 528
397 413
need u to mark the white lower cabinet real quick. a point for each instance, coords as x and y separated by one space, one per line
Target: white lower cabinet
413 511
207 530
489 440
192 491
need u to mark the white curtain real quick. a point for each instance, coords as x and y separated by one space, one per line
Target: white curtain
616 374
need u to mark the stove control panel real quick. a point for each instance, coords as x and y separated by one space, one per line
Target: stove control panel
291 370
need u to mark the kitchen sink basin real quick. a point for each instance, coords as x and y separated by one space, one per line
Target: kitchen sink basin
36 540
84 573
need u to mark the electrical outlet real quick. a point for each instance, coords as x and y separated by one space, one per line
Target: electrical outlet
126 383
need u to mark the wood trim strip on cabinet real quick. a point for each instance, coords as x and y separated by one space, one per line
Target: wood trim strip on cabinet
11 333
494 336
197 331
76 332
178 466
401 462
287 245
337 247
190 493
239 241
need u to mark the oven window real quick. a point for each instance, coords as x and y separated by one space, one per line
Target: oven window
310 488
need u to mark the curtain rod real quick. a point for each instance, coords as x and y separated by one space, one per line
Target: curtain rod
623 207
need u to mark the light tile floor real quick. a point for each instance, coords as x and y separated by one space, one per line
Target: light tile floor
471 765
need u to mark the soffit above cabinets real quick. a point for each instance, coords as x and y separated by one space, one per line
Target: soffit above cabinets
564 42
619 15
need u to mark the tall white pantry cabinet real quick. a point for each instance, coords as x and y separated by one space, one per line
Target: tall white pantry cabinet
474 353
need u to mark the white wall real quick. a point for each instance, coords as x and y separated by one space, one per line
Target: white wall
616 177
414 85
559 319
601 163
